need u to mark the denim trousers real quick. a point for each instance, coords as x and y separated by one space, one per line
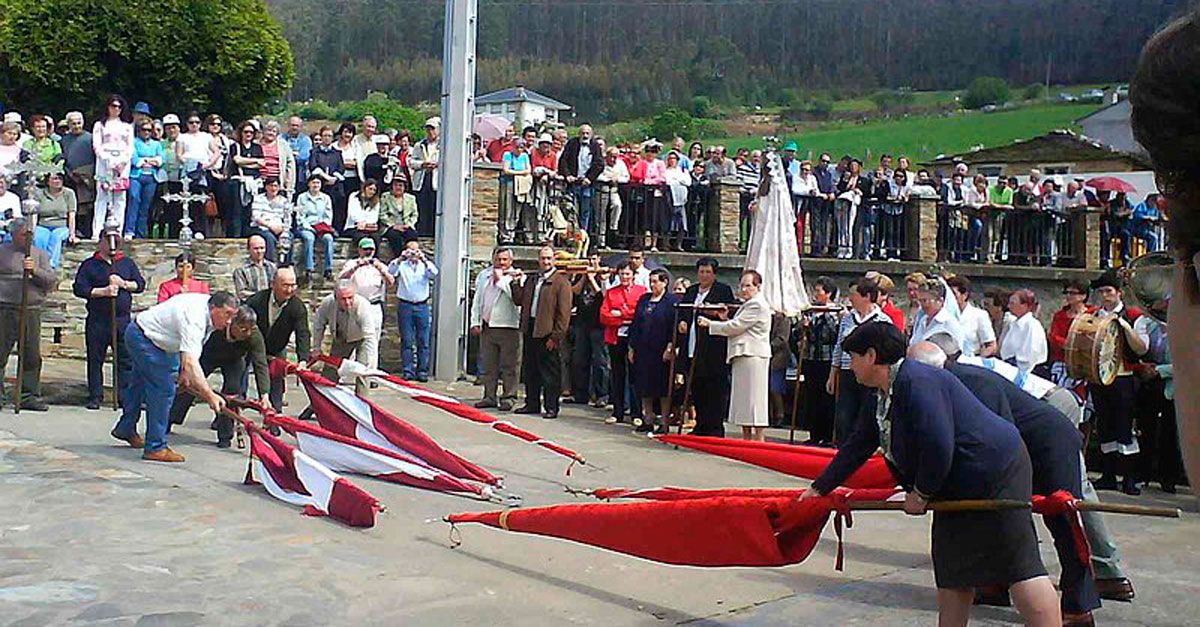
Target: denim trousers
308 239
141 196
414 321
152 382
50 239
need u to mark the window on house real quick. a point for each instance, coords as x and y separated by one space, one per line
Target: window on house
1052 170
990 171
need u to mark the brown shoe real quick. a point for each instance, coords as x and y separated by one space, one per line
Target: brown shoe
1120 589
1079 620
162 455
135 440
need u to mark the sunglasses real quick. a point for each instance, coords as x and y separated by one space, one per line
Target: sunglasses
193 121
145 129
115 104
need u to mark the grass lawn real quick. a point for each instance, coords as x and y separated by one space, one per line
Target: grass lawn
924 137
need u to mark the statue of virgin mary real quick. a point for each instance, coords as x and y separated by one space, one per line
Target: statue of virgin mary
773 251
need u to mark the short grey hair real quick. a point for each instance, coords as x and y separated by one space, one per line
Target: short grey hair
245 316
17 225
946 342
74 115
272 125
343 285
927 353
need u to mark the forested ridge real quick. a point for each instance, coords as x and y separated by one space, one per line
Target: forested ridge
628 57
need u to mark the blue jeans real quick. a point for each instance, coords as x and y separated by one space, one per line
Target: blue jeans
152 382
414 321
307 239
583 203
51 240
141 195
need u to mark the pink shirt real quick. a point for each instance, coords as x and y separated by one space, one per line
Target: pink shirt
174 287
270 169
653 172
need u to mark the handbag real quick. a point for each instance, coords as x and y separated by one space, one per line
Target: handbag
322 229
210 207
120 184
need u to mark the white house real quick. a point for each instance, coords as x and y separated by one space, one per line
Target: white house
524 107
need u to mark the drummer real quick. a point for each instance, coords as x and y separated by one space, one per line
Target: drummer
1114 403
942 444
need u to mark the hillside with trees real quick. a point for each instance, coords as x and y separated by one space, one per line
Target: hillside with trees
624 57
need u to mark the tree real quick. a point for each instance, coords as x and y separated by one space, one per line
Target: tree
985 90
1033 91
209 55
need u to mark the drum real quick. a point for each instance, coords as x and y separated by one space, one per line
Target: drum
1094 349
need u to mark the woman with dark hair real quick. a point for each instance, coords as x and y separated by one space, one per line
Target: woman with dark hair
943 444
1165 94
650 349
326 164
362 213
349 150
616 316
695 154
218 172
246 162
183 281
112 141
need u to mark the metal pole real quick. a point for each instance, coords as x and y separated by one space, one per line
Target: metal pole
454 190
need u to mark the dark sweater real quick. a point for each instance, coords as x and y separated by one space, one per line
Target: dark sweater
93 273
945 443
292 320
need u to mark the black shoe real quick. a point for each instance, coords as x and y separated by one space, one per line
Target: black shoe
274 430
1169 488
327 275
93 405
662 430
1105 482
1129 486
485 404
223 444
422 378
306 278
505 405
645 427
35 404
526 409
1115 589
549 415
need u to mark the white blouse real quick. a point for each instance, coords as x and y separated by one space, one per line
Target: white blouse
1024 342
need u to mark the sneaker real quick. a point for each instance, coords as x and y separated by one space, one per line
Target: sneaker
164 454
505 404
611 420
645 427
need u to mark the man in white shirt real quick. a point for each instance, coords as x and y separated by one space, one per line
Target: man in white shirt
370 279
165 342
979 338
350 319
496 320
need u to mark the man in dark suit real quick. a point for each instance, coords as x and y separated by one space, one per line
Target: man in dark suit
580 163
545 299
281 314
710 374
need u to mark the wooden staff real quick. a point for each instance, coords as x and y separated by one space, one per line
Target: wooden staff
981 505
796 391
26 275
116 377
670 408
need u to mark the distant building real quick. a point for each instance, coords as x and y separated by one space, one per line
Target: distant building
1111 126
524 107
1057 152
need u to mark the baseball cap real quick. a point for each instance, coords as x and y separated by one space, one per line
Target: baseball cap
381 139
545 138
790 147
366 242
170 118
433 122
12 116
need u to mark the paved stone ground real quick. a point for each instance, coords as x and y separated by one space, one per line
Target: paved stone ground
91 534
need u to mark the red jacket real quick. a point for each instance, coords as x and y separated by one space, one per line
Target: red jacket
618 299
895 314
1060 325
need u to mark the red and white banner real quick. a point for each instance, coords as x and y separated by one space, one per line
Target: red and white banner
293 477
343 412
345 454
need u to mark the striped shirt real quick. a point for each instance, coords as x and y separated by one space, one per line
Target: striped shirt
850 322
748 177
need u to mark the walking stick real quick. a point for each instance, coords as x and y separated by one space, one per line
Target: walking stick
116 377
796 391
687 385
21 317
670 408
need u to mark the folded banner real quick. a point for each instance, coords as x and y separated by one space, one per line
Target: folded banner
805 462
343 412
293 477
710 532
350 368
670 493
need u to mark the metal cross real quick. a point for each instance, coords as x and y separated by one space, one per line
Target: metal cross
186 197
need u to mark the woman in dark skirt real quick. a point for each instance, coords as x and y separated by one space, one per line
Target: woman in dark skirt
943 444
649 337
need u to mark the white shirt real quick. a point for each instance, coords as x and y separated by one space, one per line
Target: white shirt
368 280
196 147
977 329
1034 385
942 322
179 325
701 294
1025 342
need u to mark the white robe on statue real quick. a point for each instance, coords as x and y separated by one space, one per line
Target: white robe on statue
773 251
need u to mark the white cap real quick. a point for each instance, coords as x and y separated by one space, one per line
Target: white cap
381 139
1058 180
12 116
545 138
170 118
435 122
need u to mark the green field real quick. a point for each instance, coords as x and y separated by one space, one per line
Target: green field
925 137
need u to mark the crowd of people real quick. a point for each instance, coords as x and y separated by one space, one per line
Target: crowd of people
141 175
552 185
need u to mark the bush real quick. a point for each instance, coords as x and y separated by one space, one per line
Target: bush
821 106
315 110
985 90
888 100
389 113
702 107
1033 91
673 121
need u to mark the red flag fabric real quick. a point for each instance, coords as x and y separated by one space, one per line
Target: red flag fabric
344 454
806 462
670 493
451 405
293 477
341 411
710 532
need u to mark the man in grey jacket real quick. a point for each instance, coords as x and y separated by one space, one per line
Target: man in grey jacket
16 257
496 320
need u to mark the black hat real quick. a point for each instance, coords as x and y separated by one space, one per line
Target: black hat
1108 279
